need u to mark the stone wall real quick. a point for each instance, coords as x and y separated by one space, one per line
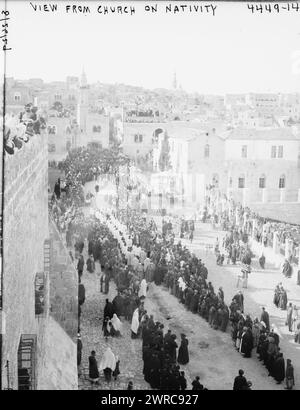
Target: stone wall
26 228
24 232
63 286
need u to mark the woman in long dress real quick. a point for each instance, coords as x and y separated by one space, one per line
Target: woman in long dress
135 324
108 364
183 352
93 368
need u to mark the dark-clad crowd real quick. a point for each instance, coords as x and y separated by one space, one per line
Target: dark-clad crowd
132 252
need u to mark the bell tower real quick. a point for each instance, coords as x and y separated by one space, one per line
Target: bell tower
83 103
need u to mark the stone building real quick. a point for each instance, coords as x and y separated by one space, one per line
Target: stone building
262 165
39 309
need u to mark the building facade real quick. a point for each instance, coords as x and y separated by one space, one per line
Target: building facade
262 165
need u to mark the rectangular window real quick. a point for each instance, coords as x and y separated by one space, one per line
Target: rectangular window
244 151
280 151
273 151
97 128
241 182
206 151
27 362
39 293
281 182
136 138
141 138
262 182
17 97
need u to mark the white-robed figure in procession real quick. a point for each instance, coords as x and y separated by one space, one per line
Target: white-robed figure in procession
135 324
182 287
143 288
116 326
108 364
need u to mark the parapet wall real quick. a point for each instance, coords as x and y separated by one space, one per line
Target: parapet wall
63 286
24 232
26 227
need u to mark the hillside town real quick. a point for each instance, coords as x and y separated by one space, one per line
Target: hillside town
170 230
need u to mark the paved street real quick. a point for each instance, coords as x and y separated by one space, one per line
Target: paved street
212 355
259 293
128 350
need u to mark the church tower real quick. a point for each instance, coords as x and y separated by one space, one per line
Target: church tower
83 103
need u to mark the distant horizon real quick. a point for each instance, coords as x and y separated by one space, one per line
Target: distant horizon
151 89
233 52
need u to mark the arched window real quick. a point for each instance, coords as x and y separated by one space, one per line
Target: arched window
206 151
262 181
282 181
241 181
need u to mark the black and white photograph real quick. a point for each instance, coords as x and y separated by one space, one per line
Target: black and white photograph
150 197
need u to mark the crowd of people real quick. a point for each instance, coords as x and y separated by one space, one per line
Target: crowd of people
19 129
229 215
133 253
186 277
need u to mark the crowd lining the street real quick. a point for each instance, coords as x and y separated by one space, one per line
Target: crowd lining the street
134 253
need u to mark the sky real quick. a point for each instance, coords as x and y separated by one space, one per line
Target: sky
234 51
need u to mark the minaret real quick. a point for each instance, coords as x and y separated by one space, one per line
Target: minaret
83 103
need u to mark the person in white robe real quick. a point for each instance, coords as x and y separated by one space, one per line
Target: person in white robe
143 288
108 364
135 324
117 325
147 262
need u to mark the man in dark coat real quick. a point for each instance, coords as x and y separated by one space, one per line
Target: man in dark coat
194 302
240 382
93 368
183 352
182 381
57 188
188 297
118 304
239 298
224 318
287 269
247 343
80 265
106 283
279 369
196 384
171 348
154 373
265 318
108 309
79 349
81 294
262 261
